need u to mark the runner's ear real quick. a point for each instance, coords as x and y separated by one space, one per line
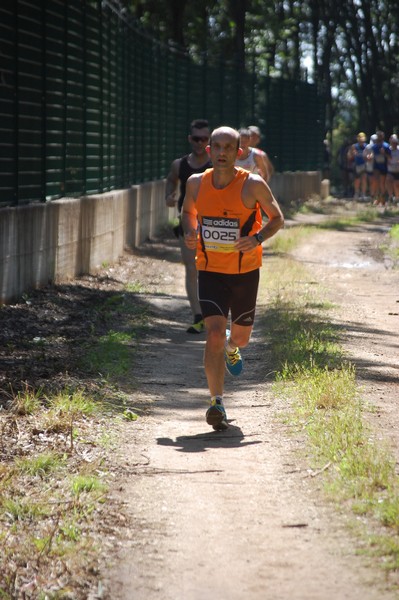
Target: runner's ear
239 151
208 149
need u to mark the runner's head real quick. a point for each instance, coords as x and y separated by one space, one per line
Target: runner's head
199 135
380 136
245 138
255 135
227 132
224 146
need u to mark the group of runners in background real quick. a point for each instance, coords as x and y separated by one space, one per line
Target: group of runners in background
372 167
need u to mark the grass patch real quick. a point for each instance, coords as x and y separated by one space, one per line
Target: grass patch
40 465
87 484
303 342
27 402
290 238
21 509
340 223
391 247
386 549
135 287
319 384
394 232
112 355
56 442
49 496
72 405
64 410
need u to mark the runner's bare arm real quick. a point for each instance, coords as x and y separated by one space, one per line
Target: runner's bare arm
261 166
370 156
256 190
269 164
189 211
264 164
171 183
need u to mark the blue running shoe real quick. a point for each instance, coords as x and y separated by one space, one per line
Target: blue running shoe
233 360
216 415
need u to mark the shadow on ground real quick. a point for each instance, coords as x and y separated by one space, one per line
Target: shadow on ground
233 437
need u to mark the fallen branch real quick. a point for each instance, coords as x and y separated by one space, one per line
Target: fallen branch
315 473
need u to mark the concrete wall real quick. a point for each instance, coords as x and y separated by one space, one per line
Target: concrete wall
296 185
60 240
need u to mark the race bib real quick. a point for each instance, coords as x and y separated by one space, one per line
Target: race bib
220 233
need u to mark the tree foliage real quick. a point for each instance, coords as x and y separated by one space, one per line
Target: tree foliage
349 47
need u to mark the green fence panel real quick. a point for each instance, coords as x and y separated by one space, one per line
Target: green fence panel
90 102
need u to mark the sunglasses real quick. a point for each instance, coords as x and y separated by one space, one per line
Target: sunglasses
199 138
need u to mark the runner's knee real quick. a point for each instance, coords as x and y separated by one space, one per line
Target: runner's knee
215 338
240 339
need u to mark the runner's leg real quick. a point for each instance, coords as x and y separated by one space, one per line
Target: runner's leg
240 335
214 353
188 257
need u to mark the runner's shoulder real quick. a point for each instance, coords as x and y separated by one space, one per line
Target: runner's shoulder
174 168
195 178
254 180
255 188
193 182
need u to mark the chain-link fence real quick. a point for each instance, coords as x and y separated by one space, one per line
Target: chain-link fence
90 103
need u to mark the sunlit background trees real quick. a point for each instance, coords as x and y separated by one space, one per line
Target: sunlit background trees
350 48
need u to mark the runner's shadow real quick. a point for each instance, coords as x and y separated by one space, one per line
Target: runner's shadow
233 437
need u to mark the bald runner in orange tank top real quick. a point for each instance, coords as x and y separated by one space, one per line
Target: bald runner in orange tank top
223 219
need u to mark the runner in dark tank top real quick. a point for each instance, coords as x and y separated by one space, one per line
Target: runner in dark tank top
181 169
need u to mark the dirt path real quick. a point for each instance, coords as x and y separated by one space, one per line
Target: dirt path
235 515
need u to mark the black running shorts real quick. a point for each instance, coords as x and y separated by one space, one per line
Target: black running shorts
220 293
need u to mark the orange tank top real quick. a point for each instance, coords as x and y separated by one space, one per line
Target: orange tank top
223 218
